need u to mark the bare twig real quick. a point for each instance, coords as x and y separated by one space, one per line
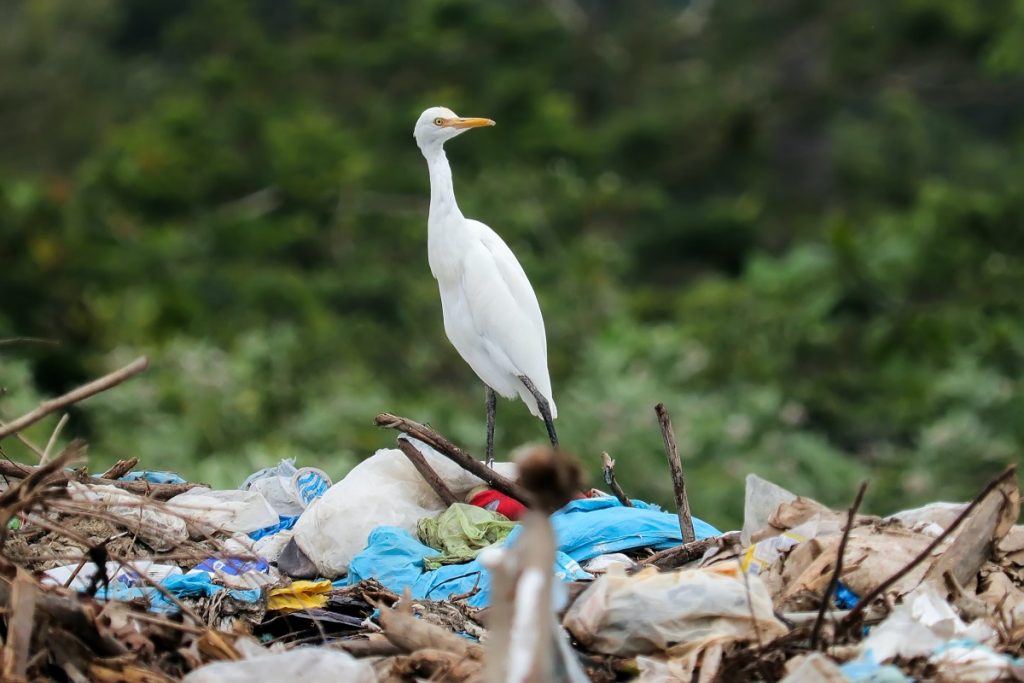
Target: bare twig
837 573
53 439
676 467
28 340
612 482
682 554
72 397
142 488
120 468
453 453
424 468
1007 474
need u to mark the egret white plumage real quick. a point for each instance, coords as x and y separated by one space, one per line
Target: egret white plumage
491 314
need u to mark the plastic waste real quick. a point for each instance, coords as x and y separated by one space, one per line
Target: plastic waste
270 547
235 572
461 532
813 668
678 612
602 563
761 499
920 625
182 586
867 670
299 595
383 490
231 510
395 558
160 530
154 477
306 664
489 499
288 490
283 524
971 662
589 527
116 572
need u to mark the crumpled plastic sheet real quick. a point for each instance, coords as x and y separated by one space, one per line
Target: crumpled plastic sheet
299 595
461 532
185 586
584 529
285 522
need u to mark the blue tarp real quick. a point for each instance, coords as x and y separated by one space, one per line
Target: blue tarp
584 528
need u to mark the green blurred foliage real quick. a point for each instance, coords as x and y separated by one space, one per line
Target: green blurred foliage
798 224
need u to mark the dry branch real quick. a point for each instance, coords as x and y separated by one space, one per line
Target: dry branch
688 552
453 453
120 468
83 392
838 571
676 467
424 468
612 482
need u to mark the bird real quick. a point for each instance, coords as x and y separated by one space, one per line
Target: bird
491 313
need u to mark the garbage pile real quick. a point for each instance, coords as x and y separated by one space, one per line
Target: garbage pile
419 565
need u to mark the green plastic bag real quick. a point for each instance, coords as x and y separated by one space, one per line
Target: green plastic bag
461 532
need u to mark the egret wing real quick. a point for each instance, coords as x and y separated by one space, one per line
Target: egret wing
504 308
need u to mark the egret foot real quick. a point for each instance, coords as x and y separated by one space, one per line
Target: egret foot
492 406
545 409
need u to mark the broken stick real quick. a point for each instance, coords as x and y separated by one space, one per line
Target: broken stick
612 482
676 467
453 453
428 473
83 392
688 552
837 573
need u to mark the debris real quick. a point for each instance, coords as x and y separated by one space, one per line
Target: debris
461 532
383 490
101 579
299 595
308 664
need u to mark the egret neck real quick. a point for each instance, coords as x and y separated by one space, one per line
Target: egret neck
445 221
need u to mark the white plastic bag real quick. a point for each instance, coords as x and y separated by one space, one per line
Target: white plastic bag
383 490
687 609
160 530
306 664
231 510
116 572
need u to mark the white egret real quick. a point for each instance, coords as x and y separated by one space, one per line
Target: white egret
491 314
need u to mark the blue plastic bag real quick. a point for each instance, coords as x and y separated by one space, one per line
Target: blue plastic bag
584 529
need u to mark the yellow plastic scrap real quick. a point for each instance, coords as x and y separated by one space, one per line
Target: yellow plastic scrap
299 595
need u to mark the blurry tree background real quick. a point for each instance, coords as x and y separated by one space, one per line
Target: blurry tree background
797 223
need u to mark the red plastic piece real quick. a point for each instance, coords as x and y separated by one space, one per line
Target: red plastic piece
492 500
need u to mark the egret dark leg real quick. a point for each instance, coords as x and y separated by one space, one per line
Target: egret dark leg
492 406
545 409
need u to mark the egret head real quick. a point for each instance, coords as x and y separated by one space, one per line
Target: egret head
437 125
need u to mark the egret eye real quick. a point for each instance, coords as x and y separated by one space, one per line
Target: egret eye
438 122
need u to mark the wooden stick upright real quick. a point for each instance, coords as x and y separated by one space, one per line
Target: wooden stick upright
676 467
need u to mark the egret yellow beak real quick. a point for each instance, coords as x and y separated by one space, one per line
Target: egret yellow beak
467 123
